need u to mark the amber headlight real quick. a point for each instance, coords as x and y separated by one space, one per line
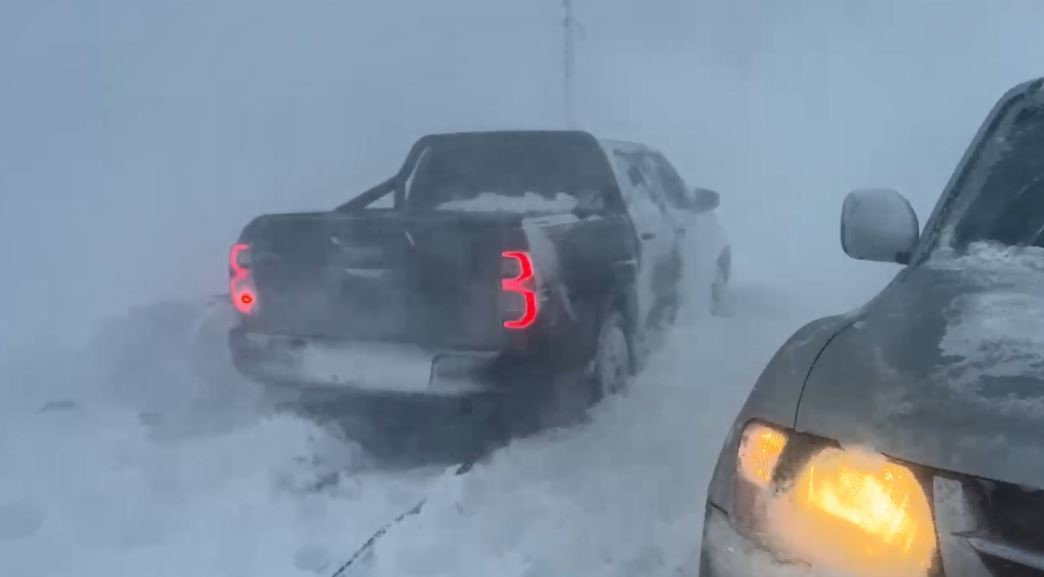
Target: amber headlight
850 511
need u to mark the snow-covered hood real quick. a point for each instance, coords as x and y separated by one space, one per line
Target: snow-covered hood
945 368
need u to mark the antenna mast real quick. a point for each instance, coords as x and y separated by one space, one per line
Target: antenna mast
568 27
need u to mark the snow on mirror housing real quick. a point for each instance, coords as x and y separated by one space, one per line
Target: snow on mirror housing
879 225
704 200
840 510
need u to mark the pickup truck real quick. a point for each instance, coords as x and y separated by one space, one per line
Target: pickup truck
491 263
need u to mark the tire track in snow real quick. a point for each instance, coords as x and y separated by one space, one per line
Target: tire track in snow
121 457
144 468
622 495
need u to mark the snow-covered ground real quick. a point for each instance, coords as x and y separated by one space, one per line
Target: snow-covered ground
120 460
139 140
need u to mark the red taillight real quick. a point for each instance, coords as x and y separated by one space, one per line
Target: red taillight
241 285
523 286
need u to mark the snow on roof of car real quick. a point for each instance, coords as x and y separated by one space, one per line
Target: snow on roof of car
608 145
611 145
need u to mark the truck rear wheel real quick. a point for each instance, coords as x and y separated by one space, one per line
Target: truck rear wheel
613 365
571 393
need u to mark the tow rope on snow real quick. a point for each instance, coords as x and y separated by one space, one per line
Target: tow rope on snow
373 538
341 571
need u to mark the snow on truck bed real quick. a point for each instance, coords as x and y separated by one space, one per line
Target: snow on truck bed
530 203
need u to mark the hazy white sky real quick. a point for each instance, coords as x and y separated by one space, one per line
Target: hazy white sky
136 138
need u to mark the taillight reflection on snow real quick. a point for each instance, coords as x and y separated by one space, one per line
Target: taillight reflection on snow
241 285
523 285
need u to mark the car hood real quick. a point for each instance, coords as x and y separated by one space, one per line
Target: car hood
945 368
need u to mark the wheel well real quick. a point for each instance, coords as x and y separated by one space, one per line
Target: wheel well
725 262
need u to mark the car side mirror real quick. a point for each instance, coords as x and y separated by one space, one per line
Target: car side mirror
704 200
879 225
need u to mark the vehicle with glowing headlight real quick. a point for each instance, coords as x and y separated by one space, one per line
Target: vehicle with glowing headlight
906 438
489 266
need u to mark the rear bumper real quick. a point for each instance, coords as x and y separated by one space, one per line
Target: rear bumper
366 367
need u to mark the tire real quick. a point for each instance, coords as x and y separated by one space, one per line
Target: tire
675 280
719 286
572 393
614 359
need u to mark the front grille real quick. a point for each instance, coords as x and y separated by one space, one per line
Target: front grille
1005 568
989 529
1011 514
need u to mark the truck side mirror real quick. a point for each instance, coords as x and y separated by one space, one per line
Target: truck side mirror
703 200
878 225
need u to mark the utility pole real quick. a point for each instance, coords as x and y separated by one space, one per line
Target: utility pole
568 27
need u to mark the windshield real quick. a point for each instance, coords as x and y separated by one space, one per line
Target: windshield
524 173
1006 185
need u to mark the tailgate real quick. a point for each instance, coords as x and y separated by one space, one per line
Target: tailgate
380 276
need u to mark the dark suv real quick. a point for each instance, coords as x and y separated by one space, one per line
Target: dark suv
907 437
